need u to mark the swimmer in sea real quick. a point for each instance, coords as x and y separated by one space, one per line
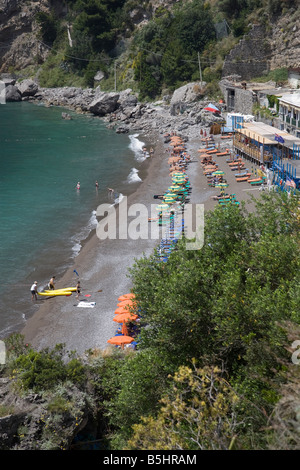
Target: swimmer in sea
78 185
97 185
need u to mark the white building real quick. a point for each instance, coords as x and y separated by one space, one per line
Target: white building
289 113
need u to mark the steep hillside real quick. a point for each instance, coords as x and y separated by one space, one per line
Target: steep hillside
20 33
266 47
151 47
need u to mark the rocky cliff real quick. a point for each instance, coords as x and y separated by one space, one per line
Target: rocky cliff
19 32
272 45
264 48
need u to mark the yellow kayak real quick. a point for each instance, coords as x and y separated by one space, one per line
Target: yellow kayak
69 289
54 293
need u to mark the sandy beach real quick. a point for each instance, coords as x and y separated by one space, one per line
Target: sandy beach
103 265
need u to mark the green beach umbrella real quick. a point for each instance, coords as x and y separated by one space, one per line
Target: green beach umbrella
169 202
175 187
179 180
218 172
162 207
168 199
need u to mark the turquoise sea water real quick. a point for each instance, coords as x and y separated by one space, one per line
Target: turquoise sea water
43 217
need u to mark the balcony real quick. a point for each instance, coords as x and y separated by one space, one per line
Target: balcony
251 151
295 123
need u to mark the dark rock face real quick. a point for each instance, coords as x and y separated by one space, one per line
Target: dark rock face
104 104
12 94
28 88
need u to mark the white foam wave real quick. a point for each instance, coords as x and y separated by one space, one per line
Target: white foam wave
76 249
83 234
137 147
133 176
119 198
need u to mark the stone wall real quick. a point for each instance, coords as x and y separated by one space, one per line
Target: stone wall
237 98
244 100
262 49
250 57
285 40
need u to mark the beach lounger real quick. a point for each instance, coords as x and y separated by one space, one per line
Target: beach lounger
232 160
236 163
227 200
237 167
224 204
254 180
241 180
223 196
253 183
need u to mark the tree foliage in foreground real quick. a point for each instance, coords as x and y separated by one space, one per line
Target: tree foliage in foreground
214 366
198 414
223 306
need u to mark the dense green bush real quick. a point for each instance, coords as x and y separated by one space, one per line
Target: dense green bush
49 26
44 370
169 47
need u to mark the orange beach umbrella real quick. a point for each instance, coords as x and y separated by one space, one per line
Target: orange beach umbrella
176 142
125 302
123 309
126 296
120 340
125 317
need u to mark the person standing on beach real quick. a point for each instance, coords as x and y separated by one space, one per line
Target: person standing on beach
78 290
33 290
51 283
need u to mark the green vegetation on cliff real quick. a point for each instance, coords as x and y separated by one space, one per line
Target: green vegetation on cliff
170 49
